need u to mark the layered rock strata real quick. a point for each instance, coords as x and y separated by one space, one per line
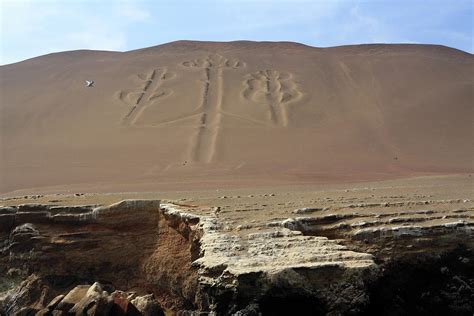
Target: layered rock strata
129 246
388 233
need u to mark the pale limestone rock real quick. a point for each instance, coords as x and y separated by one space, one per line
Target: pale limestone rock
147 305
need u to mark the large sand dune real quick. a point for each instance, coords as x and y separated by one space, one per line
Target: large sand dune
200 114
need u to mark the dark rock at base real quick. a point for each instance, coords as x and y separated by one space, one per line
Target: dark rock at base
94 301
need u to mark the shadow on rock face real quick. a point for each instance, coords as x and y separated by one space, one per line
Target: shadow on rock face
281 303
441 285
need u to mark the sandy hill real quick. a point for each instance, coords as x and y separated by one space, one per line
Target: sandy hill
207 114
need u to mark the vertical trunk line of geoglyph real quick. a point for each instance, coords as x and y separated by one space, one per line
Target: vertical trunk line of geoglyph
272 102
199 140
206 138
203 146
209 137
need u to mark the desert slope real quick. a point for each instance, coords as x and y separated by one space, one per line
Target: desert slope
206 114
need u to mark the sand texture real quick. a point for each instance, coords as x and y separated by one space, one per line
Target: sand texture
208 115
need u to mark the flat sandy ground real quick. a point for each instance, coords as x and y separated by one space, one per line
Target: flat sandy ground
447 198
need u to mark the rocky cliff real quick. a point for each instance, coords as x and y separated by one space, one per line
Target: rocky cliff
138 257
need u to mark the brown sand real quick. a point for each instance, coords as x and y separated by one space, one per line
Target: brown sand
192 115
257 206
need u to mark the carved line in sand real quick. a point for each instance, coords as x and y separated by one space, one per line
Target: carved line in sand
276 90
150 92
203 145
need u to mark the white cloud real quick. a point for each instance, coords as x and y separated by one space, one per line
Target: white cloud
34 27
367 26
132 12
24 16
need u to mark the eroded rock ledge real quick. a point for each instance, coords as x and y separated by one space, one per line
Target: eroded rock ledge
138 257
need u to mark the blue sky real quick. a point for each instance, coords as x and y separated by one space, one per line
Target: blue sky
30 28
